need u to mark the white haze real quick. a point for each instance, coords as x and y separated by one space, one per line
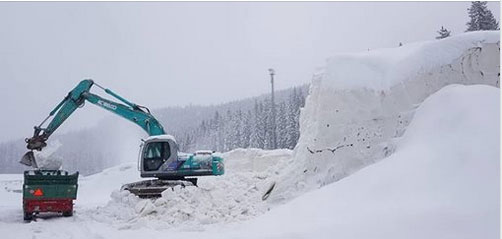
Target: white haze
178 53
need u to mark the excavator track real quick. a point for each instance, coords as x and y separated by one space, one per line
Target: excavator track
154 188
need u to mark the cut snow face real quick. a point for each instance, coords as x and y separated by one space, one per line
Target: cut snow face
443 181
362 101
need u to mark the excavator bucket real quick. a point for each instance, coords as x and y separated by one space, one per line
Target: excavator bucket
28 159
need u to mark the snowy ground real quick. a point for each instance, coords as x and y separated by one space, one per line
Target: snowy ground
101 211
441 179
442 182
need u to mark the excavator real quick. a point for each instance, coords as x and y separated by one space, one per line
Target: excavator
158 157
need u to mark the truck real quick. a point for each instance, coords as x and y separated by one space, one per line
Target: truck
49 191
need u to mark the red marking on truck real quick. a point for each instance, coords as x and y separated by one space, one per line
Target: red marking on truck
38 192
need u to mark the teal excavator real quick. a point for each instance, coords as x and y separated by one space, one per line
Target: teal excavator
159 157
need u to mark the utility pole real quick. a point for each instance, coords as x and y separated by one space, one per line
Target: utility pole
274 122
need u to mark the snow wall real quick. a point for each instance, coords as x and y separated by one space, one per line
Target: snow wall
359 103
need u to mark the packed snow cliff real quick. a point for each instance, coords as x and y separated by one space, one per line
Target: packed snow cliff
360 102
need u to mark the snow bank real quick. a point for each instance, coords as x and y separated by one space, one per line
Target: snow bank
442 181
361 101
233 197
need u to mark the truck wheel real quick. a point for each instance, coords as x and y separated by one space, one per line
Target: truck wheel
68 213
28 216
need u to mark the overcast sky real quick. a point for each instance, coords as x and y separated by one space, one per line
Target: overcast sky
176 53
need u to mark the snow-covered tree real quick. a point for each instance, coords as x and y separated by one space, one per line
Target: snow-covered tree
443 33
259 132
282 130
481 18
247 129
293 114
237 128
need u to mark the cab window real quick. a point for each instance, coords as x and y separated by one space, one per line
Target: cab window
156 153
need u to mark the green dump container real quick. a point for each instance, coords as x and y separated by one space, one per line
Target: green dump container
49 191
53 183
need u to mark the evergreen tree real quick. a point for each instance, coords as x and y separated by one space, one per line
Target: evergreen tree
258 134
292 126
443 33
481 18
267 124
247 129
228 133
282 126
187 142
217 132
237 130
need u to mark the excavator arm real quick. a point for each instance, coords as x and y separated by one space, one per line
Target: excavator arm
76 98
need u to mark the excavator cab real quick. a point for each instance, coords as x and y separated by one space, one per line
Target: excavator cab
157 152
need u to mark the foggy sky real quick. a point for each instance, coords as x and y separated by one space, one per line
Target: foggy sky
178 53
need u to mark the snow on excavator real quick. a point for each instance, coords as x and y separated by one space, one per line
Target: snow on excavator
159 156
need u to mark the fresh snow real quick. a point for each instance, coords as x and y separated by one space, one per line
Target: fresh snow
161 137
381 69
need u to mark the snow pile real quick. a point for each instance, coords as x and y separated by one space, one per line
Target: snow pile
442 181
362 101
232 197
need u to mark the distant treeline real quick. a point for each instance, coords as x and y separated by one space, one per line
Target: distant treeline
251 128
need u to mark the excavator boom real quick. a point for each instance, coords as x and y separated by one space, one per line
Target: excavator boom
76 98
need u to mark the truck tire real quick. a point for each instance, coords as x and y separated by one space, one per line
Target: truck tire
68 213
28 216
